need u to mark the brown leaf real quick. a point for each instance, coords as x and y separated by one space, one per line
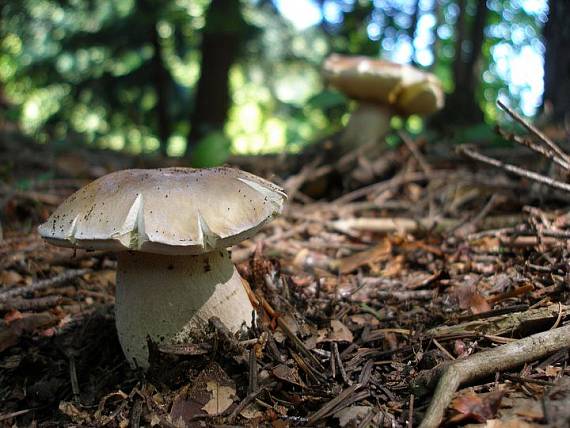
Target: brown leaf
469 297
222 398
12 316
340 332
375 254
288 374
394 266
211 392
557 403
10 277
476 407
350 416
76 415
9 334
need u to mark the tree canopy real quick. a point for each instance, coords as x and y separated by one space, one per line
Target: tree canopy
210 77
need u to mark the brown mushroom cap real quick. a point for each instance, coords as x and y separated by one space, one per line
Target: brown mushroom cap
407 89
165 211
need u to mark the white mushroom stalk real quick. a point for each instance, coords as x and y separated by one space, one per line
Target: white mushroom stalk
382 89
171 298
171 228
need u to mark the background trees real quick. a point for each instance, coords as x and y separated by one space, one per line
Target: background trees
202 77
557 60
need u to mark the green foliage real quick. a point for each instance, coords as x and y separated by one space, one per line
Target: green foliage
86 70
211 151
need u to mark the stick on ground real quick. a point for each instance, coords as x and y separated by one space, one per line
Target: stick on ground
486 363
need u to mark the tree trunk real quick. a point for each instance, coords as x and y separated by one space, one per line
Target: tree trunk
221 40
557 61
160 80
461 107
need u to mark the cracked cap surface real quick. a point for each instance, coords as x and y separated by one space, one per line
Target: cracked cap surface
165 211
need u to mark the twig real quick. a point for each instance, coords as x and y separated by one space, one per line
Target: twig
541 150
11 415
380 187
528 380
517 170
413 148
43 284
411 412
390 225
252 386
74 382
543 138
486 363
330 406
247 400
442 349
31 304
342 371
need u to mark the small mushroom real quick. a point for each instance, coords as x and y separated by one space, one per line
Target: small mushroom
382 89
170 228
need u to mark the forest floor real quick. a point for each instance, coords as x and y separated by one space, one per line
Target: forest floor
438 268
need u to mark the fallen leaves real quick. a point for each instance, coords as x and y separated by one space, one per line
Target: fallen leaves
380 252
212 393
478 407
18 324
468 297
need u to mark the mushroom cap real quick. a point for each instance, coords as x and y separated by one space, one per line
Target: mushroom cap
407 89
165 211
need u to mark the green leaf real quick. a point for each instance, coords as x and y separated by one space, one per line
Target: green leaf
212 150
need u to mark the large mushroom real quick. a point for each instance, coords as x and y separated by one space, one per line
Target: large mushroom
382 89
171 228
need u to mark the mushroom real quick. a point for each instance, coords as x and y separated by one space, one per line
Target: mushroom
382 89
170 228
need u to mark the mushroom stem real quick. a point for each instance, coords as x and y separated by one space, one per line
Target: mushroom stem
367 124
171 298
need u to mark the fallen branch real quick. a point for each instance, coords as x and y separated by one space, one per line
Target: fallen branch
43 284
486 363
500 323
513 169
530 128
31 304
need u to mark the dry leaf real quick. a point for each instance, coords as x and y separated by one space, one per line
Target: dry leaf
469 297
212 391
476 407
10 277
375 254
222 398
77 415
288 374
11 316
251 411
340 332
351 415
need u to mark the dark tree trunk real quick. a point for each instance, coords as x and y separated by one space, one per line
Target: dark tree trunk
461 107
557 61
221 40
161 84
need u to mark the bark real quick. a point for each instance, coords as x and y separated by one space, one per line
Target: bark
461 106
219 49
557 61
